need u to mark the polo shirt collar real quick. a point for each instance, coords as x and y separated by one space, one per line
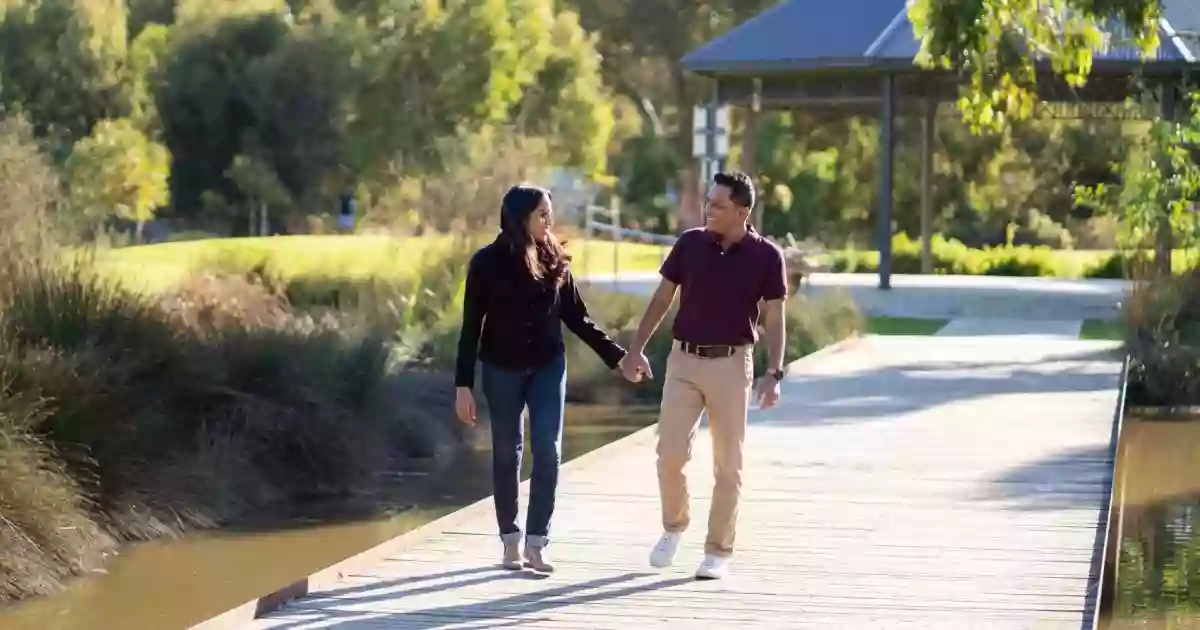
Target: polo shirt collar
751 235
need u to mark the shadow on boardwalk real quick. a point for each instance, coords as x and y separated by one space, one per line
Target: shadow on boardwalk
891 392
1072 478
501 612
972 473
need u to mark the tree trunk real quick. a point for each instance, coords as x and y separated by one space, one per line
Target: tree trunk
689 212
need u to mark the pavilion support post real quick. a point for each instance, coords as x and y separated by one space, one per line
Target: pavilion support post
887 120
749 160
928 129
1164 236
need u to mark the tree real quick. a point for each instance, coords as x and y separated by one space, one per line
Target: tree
997 44
203 97
261 187
529 63
641 44
301 98
146 55
118 171
60 65
567 102
143 13
1159 183
205 13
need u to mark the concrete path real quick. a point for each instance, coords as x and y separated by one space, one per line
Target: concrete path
1023 328
948 297
932 483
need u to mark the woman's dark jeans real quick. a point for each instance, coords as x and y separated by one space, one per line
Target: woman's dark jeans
508 392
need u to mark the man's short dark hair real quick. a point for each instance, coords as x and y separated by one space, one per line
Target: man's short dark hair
741 187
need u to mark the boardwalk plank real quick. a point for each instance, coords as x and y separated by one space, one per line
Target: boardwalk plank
905 483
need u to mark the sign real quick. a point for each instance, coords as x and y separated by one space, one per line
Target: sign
710 140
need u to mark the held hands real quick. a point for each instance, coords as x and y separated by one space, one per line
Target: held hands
634 366
464 406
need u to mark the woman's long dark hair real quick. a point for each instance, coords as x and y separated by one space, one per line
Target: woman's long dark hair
546 261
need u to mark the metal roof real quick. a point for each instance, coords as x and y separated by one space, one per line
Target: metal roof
827 34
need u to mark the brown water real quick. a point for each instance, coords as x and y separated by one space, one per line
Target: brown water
1157 562
170 585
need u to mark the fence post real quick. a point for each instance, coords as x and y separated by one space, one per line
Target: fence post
587 236
616 232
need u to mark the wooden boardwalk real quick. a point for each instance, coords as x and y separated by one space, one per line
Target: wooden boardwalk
957 483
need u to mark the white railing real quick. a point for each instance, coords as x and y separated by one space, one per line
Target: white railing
803 258
599 220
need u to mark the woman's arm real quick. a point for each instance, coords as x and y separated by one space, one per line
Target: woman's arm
474 311
575 315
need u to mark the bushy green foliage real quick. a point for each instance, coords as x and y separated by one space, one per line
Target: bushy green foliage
953 257
132 414
1162 329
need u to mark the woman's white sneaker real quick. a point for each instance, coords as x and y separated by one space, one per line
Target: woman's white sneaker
712 568
512 557
663 555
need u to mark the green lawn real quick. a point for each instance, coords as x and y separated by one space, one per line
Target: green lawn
157 267
1100 329
904 325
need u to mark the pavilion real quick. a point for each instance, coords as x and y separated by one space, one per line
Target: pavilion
857 56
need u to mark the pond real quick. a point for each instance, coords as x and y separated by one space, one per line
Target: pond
1155 567
173 584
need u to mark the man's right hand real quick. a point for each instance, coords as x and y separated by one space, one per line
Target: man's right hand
464 406
634 366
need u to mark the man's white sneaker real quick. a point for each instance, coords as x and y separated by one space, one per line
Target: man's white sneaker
713 568
663 555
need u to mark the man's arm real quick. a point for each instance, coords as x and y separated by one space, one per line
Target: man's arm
774 332
660 303
672 272
775 294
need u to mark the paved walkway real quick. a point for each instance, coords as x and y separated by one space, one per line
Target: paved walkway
949 297
1011 327
955 482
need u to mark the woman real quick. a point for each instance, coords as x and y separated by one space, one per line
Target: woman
519 289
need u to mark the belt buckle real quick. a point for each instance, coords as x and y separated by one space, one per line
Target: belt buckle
701 351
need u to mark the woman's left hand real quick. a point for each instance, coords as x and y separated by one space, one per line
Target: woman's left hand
464 406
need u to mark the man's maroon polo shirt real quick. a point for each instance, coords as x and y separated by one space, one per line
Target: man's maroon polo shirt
720 288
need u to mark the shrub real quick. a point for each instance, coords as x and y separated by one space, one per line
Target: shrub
951 256
195 408
1162 320
46 534
29 191
1120 265
851 261
1023 260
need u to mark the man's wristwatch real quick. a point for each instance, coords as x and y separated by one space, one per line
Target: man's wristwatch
778 374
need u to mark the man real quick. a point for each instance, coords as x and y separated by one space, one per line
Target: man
722 271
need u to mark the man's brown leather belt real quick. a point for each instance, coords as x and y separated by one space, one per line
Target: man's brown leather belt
707 352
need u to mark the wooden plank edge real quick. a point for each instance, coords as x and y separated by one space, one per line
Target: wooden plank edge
1176 413
1106 573
255 608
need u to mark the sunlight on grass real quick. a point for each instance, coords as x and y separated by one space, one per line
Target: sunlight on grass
1101 330
903 325
155 268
